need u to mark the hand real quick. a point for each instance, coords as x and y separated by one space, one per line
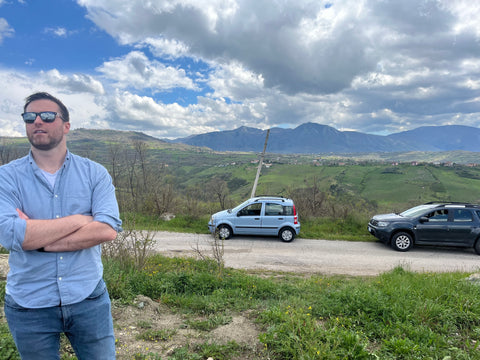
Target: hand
22 214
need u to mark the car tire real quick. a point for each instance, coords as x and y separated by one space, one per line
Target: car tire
402 241
286 234
224 232
477 247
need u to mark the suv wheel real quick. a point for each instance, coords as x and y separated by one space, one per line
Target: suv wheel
402 241
286 234
224 232
477 247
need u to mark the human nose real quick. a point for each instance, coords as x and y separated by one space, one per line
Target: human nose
38 119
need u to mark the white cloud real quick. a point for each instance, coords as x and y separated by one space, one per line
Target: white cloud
168 48
132 112
235 82
58 31
137 71
5 29
75 82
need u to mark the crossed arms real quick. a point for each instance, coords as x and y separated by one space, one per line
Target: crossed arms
70 233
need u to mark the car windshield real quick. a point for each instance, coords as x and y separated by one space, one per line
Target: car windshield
238 207
417 210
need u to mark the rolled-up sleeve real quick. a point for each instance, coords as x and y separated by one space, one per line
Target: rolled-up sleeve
104 201
12 232
12 227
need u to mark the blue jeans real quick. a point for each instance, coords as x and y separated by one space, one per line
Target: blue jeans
87 324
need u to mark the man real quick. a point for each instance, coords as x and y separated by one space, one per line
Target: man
56 208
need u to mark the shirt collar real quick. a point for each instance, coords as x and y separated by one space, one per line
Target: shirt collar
68 157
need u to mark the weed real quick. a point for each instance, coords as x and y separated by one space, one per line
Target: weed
156 335
212 322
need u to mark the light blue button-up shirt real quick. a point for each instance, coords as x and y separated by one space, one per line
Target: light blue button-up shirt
43 279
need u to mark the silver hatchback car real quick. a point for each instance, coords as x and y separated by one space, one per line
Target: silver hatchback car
261 215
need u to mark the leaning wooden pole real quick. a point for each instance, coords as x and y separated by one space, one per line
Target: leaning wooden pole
260 163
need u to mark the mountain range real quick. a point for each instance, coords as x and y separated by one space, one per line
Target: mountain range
311 138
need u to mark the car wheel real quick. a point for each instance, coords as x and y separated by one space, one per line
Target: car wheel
402 241
224 232
477 247
286 234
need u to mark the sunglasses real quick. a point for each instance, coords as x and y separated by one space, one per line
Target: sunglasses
46 116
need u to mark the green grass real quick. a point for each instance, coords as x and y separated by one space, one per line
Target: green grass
396 315
181 223
335 229
351 228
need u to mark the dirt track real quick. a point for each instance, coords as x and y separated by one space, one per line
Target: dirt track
320 256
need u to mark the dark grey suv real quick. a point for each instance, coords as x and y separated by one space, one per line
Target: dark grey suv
445 224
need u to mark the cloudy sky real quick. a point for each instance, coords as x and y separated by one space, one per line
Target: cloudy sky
173 68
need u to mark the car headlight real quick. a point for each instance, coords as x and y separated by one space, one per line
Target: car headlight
382 223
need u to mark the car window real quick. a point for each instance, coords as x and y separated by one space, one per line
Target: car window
272 209
251 210
462 215
438 215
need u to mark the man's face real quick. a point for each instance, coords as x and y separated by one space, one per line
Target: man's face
42 135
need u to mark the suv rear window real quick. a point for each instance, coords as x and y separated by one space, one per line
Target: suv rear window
462 215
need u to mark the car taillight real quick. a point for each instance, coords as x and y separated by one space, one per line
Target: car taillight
295 217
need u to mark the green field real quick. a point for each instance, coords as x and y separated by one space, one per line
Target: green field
357 185
391 187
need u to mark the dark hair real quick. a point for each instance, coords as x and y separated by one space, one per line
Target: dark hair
46 96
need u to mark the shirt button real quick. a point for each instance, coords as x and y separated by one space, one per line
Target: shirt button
60 278
56 195
61 257
57 216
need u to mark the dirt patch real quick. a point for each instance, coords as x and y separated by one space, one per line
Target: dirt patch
150 327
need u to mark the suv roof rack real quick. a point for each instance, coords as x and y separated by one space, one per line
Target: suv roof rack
262 197
268 195
452 203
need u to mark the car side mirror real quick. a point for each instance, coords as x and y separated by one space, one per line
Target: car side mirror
424 219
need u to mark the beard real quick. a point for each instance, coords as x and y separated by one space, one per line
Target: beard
44 145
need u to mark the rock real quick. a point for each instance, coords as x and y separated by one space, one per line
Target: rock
474 278
167 216
4 268
145 302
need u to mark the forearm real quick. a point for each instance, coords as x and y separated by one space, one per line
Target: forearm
90 235
42 233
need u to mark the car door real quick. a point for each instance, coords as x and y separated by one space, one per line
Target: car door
434 229
461 230
248 220
273 218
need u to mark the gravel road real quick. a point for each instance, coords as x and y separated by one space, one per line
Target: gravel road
319 256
